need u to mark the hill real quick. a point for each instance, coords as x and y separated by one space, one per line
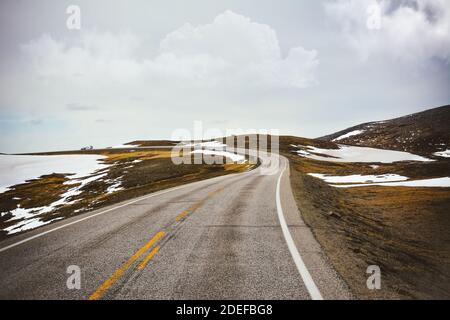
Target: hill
423 133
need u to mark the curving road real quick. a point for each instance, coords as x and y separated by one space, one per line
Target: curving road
238 236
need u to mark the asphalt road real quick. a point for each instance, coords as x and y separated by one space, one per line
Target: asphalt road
238 236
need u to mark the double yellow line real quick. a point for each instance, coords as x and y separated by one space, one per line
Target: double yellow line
120 271
197 205
185 213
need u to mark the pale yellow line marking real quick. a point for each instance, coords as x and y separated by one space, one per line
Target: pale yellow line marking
182 215
120 271
148 258
192 209
196 206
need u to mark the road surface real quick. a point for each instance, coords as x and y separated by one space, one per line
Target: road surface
238 236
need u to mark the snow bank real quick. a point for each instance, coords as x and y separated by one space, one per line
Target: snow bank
116 185
16 169
233 156
29 218
114 188
359 178
349 134
445 154
81 169
28 224
436 183
358 154
26 219
389 180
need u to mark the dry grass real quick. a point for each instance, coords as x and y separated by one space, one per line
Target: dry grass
154 172
237 167
136 155
402 230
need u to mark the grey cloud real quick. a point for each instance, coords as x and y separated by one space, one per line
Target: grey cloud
393 6
431 11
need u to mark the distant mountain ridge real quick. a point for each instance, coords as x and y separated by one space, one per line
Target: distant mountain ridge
423 133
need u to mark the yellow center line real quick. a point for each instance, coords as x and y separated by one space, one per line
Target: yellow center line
148 258
197 205
182 215
188 211
120 271
213 193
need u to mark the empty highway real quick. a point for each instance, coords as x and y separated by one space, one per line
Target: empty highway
238 236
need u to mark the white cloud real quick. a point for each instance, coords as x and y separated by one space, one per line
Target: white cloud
93 56
230 51
410 30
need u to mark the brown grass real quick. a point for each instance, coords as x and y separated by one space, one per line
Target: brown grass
402 230
136 155
155 172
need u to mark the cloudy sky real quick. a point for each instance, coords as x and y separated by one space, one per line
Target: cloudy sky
142 69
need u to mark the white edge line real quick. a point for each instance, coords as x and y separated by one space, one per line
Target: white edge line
304 273
106 211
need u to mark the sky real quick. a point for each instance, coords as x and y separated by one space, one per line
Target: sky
145 69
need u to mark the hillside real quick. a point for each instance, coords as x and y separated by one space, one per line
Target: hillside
423 133
379 194
152 143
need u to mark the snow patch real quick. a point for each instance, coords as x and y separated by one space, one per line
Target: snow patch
28 224
115 186
349 134
303 153
125 146
445 154
389 180
359 178
29 218
81 169
431 183
358 154
17 169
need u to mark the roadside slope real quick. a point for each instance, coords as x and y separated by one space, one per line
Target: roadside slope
360 218
422 133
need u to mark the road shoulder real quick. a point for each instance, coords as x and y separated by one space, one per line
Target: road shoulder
328 281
